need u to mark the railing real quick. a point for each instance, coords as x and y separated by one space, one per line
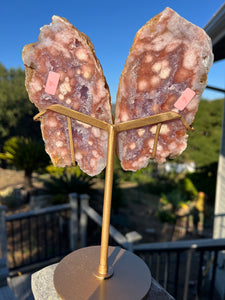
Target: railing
187 269
118 238
46 235
38 236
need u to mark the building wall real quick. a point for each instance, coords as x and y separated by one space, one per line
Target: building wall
219 214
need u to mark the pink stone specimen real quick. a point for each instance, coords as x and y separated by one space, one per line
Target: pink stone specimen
169 55
65 52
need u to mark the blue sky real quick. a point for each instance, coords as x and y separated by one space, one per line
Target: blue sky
111 26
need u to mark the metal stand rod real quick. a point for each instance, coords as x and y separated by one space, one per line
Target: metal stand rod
103 271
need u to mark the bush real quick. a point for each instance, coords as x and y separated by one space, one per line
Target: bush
188 188
205 180
25 154
54 170
10 198
181 194
175 198
166 216
64 181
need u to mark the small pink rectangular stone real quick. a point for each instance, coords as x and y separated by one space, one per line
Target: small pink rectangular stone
52 83
184 99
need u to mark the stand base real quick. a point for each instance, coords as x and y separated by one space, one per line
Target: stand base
74 277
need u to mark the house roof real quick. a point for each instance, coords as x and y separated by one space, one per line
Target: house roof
215 28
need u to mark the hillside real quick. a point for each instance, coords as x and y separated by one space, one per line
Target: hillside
204 143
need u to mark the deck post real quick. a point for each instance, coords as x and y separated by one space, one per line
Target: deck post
84 201
73 198
3 239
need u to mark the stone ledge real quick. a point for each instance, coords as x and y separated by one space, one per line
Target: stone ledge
43 286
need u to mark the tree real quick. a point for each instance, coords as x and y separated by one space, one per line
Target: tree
204 143
16 111
25 154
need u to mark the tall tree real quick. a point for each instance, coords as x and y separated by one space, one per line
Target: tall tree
16 111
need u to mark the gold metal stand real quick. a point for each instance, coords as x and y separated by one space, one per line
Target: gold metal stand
74 278
103 270
119 273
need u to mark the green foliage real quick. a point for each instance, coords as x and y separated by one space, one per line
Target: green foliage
16 111
168 204
9 201
204 143
175 198
9 198
166 216
187 187
54 170
70 180
25 154
204 180
182 192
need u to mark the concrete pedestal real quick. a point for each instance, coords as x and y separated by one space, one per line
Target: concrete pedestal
43 287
